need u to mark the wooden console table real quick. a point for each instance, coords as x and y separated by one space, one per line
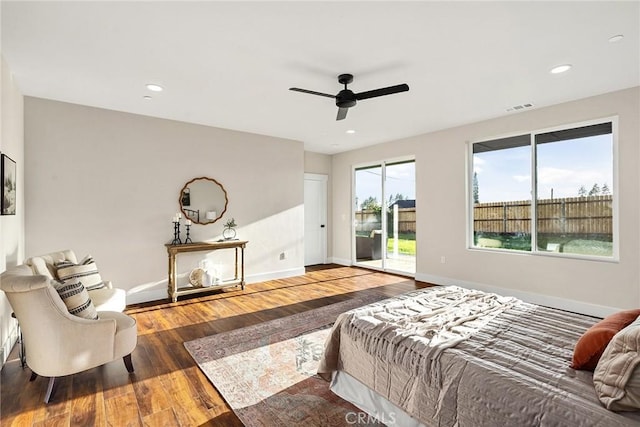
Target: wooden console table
174 250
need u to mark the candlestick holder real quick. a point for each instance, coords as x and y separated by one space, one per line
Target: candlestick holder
188 239
176 233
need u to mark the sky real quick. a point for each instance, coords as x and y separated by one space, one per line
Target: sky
505 175
401 178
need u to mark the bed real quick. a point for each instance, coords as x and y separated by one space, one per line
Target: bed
449 356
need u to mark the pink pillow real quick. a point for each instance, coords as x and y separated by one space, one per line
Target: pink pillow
592 343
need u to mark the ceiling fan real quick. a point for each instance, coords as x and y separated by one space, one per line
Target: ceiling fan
346 98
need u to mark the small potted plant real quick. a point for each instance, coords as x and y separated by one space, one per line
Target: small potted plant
229 231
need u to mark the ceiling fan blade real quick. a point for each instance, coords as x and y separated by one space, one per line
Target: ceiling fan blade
342 113
312 92
381 92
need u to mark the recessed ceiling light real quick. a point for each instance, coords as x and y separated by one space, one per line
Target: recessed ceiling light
154 88
616 38
351 131
560 69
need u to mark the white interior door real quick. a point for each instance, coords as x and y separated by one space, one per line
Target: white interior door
315 219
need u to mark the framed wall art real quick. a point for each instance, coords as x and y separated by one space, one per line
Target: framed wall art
8 173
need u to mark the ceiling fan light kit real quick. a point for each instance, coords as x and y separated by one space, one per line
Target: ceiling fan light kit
346 99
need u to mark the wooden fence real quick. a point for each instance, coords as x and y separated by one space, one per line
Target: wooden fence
367 220
571 215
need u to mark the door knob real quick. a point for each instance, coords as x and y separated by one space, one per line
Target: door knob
321 225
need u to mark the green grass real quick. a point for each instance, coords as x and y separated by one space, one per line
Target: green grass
406 242
574 244
405 246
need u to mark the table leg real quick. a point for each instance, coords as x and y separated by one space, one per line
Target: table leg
172 278
235 270
242 267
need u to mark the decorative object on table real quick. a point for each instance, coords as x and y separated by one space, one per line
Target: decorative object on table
187 224
176 229
8 202
229 231
186 197
203 195
204 275
198 278
211 273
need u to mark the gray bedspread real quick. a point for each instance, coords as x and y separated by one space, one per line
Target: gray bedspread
454 357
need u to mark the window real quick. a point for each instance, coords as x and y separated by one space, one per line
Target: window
568 172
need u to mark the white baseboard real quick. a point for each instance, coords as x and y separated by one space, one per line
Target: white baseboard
148 296
539 299
157 293
8 343
340 261
282 274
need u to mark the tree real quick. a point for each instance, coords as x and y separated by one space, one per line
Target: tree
582 192
605 190
370 203
595 190
476 193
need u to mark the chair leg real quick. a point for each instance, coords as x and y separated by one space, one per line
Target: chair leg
50 390
33 376
21 354
128 363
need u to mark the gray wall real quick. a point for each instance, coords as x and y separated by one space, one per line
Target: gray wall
11 226
596 287
107 183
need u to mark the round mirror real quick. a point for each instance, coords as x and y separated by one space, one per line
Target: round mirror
203 200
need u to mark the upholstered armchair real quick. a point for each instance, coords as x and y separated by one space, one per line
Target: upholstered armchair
58 343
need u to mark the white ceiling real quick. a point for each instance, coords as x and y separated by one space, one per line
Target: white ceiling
230 64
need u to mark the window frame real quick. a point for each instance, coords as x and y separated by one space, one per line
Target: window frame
534 251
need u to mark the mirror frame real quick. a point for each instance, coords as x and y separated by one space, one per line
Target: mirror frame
226 200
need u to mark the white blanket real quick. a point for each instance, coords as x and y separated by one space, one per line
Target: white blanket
417 326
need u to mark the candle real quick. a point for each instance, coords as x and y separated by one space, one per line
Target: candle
187 222
179 215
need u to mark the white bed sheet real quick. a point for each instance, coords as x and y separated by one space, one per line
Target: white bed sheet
352 390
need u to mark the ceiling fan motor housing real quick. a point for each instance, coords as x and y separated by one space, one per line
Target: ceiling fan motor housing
345 99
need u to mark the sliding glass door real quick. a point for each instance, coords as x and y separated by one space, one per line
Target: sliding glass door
385 216
368 216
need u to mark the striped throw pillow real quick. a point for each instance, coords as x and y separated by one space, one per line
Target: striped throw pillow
76 298
85 271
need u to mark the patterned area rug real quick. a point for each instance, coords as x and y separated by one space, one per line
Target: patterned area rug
267 372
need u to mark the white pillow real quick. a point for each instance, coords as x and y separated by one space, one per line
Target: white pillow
617 375
85 271
76 298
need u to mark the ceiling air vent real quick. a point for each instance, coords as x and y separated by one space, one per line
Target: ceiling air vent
520 107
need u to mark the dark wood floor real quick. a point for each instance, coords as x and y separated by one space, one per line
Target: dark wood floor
167 388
